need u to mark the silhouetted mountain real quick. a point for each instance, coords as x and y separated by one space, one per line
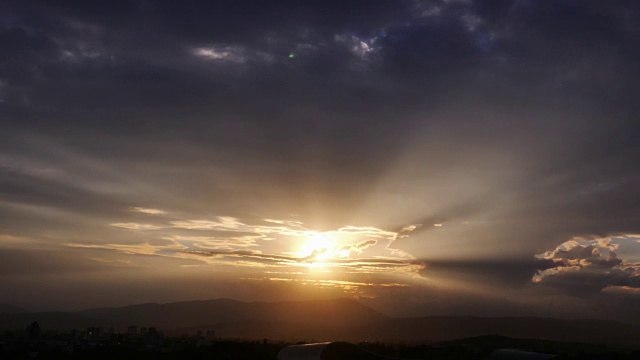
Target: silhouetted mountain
195 313
341 319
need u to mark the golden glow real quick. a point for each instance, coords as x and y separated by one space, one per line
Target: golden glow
316 266
317 247
344 253
281 246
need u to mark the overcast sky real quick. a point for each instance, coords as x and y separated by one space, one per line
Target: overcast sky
425 157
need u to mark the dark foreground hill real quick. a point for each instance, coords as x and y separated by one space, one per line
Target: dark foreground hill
440 328
341 319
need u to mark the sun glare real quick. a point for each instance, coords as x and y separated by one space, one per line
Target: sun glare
317 247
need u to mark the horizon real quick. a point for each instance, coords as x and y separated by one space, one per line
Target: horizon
627 321
423 157
570 317
293 321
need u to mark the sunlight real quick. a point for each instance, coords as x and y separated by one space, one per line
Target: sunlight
317 247
316 266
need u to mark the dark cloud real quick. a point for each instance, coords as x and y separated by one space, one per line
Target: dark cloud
509 272
587 282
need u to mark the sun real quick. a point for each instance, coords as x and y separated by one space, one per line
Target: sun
317 246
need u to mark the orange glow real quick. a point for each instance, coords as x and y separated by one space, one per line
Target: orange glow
317 247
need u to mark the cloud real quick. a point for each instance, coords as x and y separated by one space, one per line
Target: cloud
290 223
362 48
492 273
316 254
135 249
231 233
223 223
255 256
216 243
233 54
339 266
346 250
406 230
587 266
148 211
227 241
471 22
350 287
625 290
136 226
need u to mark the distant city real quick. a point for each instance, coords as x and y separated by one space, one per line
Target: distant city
36 339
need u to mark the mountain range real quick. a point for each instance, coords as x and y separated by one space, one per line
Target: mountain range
319 320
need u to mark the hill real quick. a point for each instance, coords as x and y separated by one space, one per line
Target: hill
441 328
200 313
322 320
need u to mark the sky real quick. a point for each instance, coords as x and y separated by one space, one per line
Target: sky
425 157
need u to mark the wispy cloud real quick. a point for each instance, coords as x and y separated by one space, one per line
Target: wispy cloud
235 54
353 287
363 265
136 226
346 250
283 245
148 211
136 249
222 223
215 243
